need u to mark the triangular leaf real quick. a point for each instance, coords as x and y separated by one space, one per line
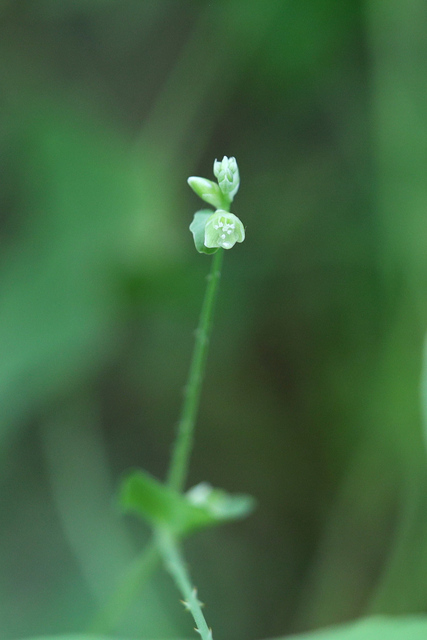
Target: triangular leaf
162 506
219 504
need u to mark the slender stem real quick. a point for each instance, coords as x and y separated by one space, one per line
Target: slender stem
184 440
176 566
147 561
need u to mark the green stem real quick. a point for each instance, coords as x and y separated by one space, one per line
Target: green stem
175 564
146 562
184 441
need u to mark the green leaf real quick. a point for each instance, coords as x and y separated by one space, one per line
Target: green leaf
219 504
197 228
423 389
75 636
160 505
378 628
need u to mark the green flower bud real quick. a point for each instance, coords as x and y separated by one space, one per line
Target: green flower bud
227 174
207 190
223 229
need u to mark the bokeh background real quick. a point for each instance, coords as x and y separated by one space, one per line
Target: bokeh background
311 401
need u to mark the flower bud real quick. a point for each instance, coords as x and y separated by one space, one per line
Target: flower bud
207 190
223 229
227 174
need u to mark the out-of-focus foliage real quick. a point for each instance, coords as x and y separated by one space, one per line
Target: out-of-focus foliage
410 628
312 396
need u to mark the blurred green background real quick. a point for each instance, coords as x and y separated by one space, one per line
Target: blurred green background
311 401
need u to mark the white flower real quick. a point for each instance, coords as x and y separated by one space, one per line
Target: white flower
223 229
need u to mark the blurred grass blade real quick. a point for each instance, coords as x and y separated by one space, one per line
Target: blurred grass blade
404 628
77 636
423 392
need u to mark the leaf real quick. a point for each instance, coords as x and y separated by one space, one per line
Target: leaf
378 628
423 389
197 228
81 636
221 505
75 636
202 507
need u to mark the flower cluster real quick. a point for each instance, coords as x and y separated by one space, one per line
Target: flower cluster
220 229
